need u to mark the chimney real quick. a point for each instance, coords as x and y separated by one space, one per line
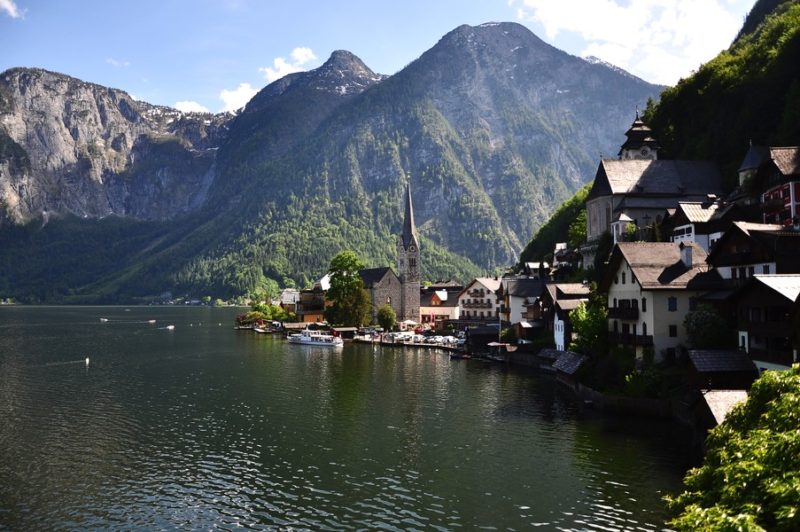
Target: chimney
686 255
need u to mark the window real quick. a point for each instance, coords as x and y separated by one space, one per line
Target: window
733 273
644 304
412 262
623 277
765 268
644 329
635 303
692 303
751 271
615 302
672 303
742 272
616 326
673 331
616 280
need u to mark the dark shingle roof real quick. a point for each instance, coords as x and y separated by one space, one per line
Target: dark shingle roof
715 361
658 265
525 287
371 276
569 362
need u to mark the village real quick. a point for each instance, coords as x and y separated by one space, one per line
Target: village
696 292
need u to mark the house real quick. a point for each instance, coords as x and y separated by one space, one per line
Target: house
516 293
747 249
535 270
383 287
311 305
702 222
289 299
778 176
637 188
478 300
764 308
439 305
721 370
562 298
651 287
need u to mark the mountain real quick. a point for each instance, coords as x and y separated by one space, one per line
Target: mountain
750 92
71 146
493 128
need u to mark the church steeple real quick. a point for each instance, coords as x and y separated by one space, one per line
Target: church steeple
408 264
409 228
640 143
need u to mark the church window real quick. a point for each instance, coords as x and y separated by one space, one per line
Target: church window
412 262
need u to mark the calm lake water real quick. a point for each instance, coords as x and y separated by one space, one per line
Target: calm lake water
204 426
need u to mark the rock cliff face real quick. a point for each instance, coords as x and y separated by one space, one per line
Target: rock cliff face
67 146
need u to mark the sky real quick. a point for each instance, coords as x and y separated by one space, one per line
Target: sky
214 55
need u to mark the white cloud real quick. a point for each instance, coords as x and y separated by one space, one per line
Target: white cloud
659 40
236 98
188 106
10 8
281 67
114 62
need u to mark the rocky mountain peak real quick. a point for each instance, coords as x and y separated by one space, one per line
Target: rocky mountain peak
343 73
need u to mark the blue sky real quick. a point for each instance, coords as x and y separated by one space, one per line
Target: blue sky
215 55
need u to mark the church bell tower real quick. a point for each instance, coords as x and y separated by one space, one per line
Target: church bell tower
408 264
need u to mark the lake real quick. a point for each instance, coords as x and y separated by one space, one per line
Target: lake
203 426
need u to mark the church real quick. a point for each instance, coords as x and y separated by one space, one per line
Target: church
402 290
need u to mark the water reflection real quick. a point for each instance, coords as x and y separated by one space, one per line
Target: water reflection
204 426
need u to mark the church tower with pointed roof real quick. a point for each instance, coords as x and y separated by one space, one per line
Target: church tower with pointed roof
408 264
640 144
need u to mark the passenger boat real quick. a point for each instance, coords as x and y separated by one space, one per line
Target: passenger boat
309 337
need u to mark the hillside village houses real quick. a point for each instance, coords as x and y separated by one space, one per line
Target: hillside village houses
678 243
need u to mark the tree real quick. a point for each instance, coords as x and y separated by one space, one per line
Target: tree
387 317
706 329
750 477
576 234
351 303
590 325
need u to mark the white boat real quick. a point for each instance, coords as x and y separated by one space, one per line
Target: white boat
309 337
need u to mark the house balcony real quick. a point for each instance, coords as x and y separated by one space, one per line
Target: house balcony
477 304
623 313
630 339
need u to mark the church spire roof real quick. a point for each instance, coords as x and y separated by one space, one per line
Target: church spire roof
638 137
409 228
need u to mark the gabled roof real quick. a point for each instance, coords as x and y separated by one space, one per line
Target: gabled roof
786 159
698 211
660 177
780 241
658 265
787 285
488 282
569 362
571 290
718 361
524 287
721 402
372 276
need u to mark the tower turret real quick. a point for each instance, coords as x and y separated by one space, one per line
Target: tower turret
640 144
408 263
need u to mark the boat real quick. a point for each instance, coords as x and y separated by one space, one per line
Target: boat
310 337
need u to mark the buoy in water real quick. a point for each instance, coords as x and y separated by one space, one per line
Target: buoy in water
170 327
87 361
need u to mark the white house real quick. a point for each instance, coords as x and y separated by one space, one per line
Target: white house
478 300
651 287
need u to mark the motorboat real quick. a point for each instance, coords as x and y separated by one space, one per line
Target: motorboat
312 337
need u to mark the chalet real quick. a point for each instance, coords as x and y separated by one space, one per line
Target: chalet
516 293
764 307
778 175
637 188
651 286
747 249
383 287
478 300
439 305
289 299
702 222
562 298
